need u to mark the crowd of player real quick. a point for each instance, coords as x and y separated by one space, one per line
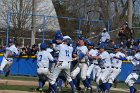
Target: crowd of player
76 62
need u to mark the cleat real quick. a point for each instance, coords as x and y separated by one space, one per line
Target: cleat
135 91
89 90
59 90
7 73
107 91
40 90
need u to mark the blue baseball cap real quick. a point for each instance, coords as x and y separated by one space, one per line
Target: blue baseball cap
43 46
83 38
10 40
58 33
116 46
135 48
102 45
90 43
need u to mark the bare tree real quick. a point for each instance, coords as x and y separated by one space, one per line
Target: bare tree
21 20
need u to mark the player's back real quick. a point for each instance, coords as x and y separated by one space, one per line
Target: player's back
65 53
43 58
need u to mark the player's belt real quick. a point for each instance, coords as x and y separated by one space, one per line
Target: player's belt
136 70
96 64
116 67
41 67
105 67
9 60
63 61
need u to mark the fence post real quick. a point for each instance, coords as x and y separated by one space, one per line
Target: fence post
7 27
79 28
43 27
108 24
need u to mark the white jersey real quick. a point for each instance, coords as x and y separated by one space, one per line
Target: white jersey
90 53
116 62
65 53
104 36
84 50
105 59
49 50
43 58
135 61
95 53
12 49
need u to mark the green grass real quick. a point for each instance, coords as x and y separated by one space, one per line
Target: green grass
24 78
28 88
124 86
15 87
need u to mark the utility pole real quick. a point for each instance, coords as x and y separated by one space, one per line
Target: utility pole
130 13
33 28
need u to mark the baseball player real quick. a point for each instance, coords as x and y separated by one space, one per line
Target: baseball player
131 79
11 52
43 59
93 64
105 65
55 53
116 59
104 35
64 61
82 65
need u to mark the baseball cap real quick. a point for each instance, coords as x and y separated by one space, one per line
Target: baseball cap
90 43
102 45
116 46
43 46
10 40
135 48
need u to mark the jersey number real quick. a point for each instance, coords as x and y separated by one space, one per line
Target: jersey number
67 53
40 57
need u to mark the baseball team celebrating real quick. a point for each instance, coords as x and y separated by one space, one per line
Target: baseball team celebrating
66 61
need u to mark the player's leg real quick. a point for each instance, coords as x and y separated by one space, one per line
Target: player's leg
53 78
69 79
96 72
130 80
89 71
42 74
7 68
74 74
98 81
113 75
103 80
87 85
3 64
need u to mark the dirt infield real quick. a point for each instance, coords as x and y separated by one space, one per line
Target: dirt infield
14 91
35 83
19 82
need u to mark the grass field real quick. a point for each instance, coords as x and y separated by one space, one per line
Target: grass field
120 86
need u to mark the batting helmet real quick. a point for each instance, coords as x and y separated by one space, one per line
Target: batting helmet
68 41
43 46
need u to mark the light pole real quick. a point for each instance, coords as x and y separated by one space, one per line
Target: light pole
33 33
130 12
